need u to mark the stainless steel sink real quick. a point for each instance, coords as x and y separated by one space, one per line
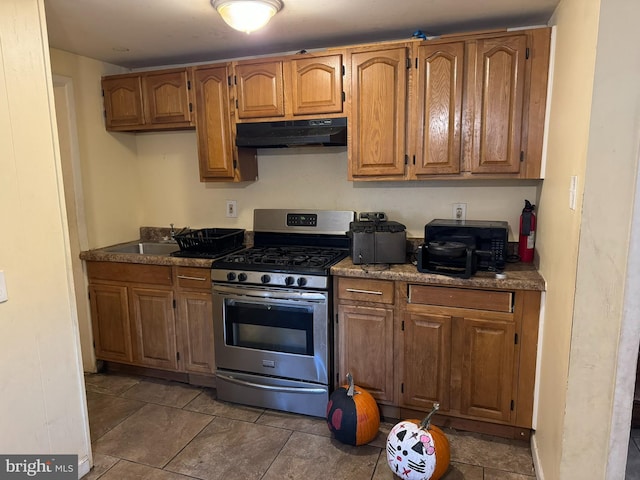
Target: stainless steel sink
144 248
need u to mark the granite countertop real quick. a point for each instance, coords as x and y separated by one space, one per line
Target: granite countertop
152 234
102 255
519 276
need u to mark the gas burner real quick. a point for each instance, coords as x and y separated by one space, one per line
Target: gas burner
284 256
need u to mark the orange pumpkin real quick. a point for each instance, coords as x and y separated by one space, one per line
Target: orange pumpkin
352 414
417 450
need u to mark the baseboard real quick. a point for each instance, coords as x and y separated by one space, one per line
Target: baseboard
536 457
84 466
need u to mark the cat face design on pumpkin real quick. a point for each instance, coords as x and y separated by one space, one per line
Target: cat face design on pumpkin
410 453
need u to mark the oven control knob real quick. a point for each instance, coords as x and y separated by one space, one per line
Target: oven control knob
265 278
242 277
289 281
231 276
302 282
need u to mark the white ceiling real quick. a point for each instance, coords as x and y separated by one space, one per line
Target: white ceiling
144 33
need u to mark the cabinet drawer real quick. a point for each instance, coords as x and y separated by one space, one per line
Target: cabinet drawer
192 278
365 290
496 301
129 272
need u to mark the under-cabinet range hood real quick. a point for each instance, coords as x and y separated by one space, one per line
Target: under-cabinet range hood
324 131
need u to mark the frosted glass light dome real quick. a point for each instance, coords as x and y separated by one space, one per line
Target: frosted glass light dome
247 15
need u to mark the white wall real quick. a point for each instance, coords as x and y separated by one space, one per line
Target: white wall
42 403
609 191
558 233
595 134
305 177
107 160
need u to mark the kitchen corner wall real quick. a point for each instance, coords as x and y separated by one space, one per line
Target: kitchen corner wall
305 177
42 404
108 161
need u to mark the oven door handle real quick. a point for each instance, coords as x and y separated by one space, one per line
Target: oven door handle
262 293
272 388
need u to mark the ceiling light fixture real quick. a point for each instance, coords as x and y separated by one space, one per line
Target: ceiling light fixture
247 15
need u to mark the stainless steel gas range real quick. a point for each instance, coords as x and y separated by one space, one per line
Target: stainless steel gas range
272 311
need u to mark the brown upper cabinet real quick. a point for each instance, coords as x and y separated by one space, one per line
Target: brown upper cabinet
377 125
289 87
154 100
260 89
475 107
219 158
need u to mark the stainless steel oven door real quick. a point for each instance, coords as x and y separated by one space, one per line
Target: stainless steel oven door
272 332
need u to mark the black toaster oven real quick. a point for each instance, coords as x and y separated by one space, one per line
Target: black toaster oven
488 239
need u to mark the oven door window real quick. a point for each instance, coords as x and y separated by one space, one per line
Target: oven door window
271 327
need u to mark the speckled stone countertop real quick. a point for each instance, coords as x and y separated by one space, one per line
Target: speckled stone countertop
101 255
520 276
151 234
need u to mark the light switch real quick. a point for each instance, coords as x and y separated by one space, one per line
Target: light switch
3 288
573 189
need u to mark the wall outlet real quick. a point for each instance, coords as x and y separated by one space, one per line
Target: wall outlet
232 209
459 211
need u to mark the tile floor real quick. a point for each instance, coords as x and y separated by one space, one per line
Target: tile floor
144 428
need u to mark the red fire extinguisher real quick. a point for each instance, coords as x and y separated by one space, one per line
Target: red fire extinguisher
527 232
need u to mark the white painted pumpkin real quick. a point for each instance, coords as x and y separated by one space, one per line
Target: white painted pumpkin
416 450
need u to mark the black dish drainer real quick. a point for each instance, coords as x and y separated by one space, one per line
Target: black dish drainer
211 240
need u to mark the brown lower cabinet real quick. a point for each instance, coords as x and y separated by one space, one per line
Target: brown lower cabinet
153 316
411 345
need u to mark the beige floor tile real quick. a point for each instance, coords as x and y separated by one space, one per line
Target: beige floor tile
125 470
383 472
109 383
153 435
502 454
493 474
313 457
107 411
381 440
292 421
230 449
461 471
170 394
206 402
456 471
101 463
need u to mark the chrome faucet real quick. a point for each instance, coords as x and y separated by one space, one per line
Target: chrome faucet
172 232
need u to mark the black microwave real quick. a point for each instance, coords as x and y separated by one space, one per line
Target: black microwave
488 238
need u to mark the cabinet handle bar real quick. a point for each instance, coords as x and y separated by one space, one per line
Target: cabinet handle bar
369 292
185 277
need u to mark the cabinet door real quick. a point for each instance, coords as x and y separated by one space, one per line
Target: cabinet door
487 368
316 85
213 123
378 113
426 362
110 320
195 313
366 348
154 326
166 98
438 109
260 90
498 104
122 102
